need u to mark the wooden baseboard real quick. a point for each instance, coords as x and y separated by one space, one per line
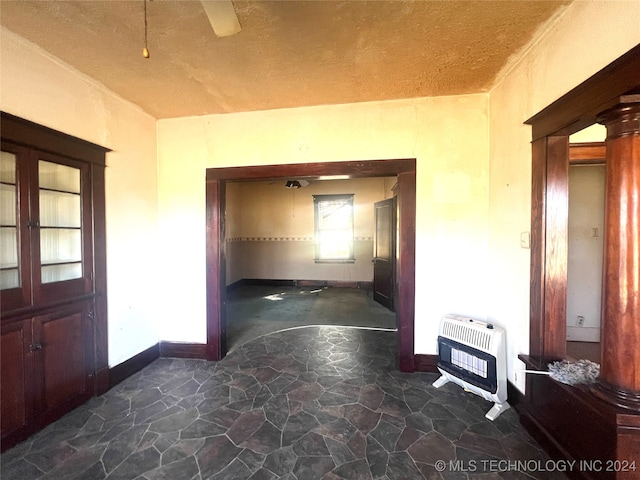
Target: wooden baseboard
103 381
268 282
183 350
341 284
163 349
235 285
514 396
364 285
136 363
426 363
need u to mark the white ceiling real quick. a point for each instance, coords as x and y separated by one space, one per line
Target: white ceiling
288 54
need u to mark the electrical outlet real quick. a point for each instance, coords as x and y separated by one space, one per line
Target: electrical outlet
580 321
519 375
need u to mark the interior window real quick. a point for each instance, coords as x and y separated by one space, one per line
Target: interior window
333 228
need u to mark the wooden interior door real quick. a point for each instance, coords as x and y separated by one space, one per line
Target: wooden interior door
384 252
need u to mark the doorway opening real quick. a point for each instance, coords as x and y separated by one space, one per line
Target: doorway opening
216 264
301 255
585 246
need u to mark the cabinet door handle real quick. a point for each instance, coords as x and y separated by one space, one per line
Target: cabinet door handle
35 346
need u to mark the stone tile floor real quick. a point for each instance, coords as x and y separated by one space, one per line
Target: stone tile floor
309 403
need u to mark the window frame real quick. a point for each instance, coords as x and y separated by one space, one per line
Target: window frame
317 200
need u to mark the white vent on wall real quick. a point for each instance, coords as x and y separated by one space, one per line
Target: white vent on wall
471 354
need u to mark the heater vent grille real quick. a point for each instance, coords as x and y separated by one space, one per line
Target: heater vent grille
471 353
468 335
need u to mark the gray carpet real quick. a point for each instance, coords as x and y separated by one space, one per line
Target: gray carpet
253 311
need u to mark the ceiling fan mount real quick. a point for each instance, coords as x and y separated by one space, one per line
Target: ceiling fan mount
222 17
221 14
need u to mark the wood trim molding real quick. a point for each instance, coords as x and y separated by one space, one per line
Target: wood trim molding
354 169
136 363
538 246
426 363
103 381
183 350
235 285
580 107
587 153
19 130
101 316
514 396
364 285
406 268
216 269
557 234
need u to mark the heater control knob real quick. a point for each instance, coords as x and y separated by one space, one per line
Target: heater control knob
490 326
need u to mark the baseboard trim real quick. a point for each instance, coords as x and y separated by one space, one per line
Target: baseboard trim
235 285
103 381
183 350
583 334
268 282
426 363
364 285
341 284
514 396
136 363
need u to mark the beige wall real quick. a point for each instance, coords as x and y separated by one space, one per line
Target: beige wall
473 176
447 135
585 252
270 229
42 89
588 36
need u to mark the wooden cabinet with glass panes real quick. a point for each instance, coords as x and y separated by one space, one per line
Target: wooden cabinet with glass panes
52 276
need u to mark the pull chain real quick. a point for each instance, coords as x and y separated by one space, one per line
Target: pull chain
145 50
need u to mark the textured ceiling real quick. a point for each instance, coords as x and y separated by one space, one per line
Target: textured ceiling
288 54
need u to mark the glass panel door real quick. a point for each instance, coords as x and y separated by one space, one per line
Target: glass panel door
9 259
60 222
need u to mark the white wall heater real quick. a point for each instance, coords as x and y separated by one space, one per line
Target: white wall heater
471 354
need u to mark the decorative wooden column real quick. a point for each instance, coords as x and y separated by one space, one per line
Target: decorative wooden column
619 381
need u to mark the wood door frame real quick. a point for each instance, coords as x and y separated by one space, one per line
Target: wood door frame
216 180
551 128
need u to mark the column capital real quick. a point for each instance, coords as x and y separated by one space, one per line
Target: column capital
623 119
